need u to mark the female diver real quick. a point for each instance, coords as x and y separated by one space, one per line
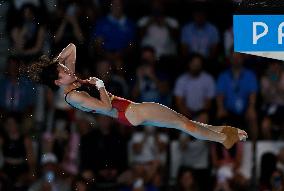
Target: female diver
91 96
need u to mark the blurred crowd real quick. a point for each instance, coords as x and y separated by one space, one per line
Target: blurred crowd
177 53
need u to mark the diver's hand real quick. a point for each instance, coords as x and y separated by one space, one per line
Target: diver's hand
97 82
92 80
67 57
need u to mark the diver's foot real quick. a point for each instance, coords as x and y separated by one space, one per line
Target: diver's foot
233 135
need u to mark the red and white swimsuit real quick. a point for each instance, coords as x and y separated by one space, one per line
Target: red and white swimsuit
120 104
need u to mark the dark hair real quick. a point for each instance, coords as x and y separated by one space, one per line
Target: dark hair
192 56
267 167
20 14
43 71
182 170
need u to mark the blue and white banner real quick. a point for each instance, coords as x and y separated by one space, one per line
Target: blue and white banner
261 35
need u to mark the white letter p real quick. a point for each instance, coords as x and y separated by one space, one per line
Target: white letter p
258 36
280 33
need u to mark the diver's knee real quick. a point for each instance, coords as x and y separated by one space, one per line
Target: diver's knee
189 126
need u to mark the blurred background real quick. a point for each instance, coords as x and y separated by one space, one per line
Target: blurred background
177 53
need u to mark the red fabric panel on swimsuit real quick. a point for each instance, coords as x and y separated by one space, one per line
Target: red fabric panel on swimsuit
121 104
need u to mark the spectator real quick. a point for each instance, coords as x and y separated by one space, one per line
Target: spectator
105 164
273 99
159 31
28 36
236 95
59 119
50 179
227 164
85 122
14 11
139 177
277 181
66 27
89 13
151 84
61 142
185 181
19 157
17 92
115 32
70 162
200 36
160 180
194 90
148 146
148 55
116 84
267 167
195 155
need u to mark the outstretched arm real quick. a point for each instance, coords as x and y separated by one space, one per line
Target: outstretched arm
68 57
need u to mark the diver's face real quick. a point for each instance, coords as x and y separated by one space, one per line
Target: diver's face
65 76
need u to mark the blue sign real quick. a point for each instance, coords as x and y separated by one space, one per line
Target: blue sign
258 33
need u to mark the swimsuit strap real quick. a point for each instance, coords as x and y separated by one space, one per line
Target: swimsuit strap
65 98
90 89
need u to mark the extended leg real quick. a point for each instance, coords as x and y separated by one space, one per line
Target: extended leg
159 115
